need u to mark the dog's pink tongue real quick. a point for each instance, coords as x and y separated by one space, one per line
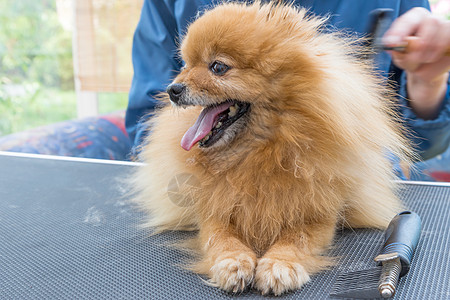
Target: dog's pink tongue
203 125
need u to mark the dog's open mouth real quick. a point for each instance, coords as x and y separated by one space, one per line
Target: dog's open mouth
212 123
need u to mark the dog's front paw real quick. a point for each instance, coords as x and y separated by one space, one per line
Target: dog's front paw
233 273
279 276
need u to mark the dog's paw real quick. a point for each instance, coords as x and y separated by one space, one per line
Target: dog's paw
279 276
233 273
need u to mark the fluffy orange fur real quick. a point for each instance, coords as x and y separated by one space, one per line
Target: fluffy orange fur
311 156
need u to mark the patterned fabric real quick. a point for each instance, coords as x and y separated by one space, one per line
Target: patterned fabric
101 137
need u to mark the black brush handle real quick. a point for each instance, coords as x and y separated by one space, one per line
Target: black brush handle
402 236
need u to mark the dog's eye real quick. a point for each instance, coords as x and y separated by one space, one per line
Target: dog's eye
219 68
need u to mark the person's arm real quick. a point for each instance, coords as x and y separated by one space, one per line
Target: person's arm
425 77
154 63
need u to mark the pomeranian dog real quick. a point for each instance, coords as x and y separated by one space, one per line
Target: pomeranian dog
287 134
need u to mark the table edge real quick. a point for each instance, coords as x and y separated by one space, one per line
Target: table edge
70 158
137 164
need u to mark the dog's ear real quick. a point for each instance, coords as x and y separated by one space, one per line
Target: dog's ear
276 4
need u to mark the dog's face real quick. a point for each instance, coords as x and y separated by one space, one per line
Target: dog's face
213 82
234 66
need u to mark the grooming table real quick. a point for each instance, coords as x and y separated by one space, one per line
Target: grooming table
68 232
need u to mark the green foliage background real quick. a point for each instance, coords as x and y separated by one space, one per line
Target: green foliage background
36 68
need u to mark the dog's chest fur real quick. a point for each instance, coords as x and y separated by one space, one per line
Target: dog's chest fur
260 207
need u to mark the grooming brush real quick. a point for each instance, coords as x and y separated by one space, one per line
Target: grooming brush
394 261
380 21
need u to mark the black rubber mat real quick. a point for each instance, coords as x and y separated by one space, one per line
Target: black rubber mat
67 233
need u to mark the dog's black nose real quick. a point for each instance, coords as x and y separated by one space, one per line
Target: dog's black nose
175 90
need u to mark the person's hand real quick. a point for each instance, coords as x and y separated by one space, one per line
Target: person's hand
425 61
